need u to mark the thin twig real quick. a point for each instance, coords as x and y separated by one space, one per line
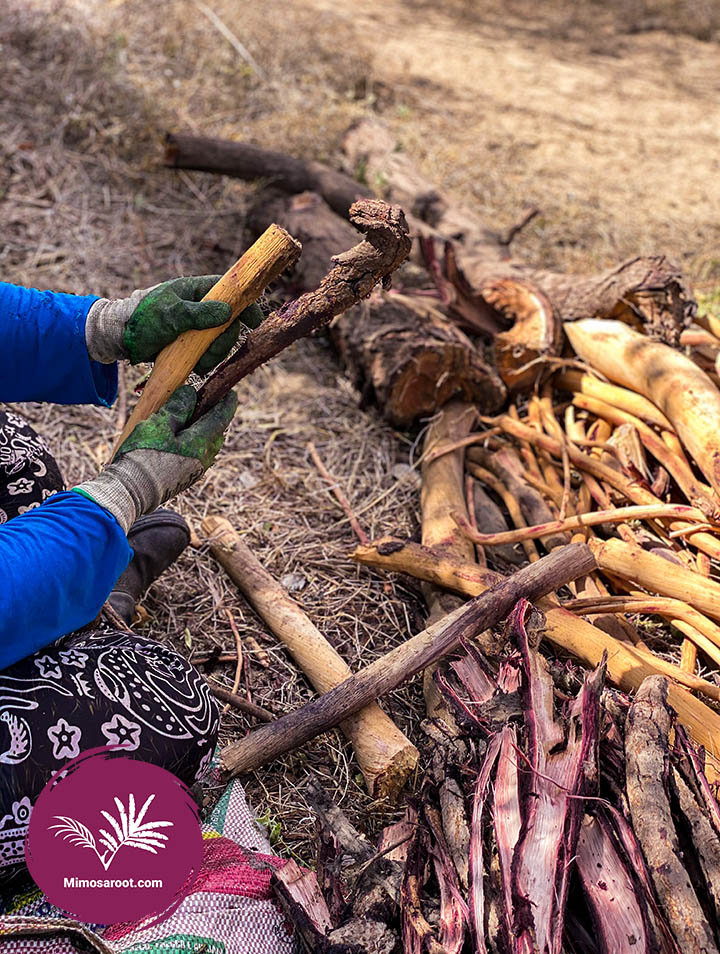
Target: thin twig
249 708
339 495
238 644
580 520
225 31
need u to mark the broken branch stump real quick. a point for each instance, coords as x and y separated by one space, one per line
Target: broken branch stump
406 660
385 756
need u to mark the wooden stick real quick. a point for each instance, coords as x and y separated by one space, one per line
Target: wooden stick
240 286
405 661
249 708
627 665
385 756
592 519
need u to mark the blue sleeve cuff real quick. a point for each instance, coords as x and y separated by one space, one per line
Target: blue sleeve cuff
58 563
43 355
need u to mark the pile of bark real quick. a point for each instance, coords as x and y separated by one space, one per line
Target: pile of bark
559 811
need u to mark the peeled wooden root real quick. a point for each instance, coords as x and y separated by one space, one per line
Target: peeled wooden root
593 519
443 490
578 383
672 458
672 381
240 286
352 277
588 463
653 573
627 665
385 756
701 631
406 660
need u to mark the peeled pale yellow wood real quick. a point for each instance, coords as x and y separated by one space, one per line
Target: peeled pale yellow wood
240 286
627 665
587 462
442 490
696 492
385 756
629 401
672 381
656 574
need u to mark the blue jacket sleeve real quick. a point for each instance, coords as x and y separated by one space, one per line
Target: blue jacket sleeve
43 355
58 563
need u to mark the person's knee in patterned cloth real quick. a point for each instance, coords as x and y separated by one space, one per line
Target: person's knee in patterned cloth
67 682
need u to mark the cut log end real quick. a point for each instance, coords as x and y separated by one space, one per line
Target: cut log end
412 361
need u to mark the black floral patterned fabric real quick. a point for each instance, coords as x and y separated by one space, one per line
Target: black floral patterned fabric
96 687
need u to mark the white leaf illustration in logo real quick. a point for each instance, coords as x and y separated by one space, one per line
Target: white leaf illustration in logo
128 831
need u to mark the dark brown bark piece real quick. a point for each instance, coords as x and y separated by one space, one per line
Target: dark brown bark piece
411 360
705 842
647 768
490 519
246 161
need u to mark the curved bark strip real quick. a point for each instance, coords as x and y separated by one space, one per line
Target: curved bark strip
610 891
353 276
647 772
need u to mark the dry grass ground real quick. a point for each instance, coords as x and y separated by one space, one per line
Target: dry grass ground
613 133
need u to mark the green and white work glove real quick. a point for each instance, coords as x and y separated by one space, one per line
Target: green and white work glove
139 327
161 457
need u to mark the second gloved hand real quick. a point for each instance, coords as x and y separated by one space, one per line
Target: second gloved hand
162 457
140 326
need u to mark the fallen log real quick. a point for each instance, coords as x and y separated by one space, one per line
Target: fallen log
352 277
406 660
385 756
403 353
246 161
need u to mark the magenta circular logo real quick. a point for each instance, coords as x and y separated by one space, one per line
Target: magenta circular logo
114 839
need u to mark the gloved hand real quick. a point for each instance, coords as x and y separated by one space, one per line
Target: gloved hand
139 327
161 457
